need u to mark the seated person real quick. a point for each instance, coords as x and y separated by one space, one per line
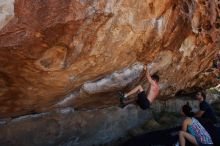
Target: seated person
206 113
192 130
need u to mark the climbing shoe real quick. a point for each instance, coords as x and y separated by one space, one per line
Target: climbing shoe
121 97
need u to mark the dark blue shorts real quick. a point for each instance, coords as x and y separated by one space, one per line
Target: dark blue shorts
143 101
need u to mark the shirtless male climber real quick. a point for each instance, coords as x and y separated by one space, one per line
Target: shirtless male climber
142 99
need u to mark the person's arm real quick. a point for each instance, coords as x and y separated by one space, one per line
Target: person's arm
185 124
202 109
150 80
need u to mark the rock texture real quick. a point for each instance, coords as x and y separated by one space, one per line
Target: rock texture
67 127
79 53
6 12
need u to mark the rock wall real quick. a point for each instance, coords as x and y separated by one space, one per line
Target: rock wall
6 12
67 127
174 104
79 53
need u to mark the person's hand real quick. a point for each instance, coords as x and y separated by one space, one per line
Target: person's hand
145 68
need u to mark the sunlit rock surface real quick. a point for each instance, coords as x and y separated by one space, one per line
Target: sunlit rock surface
6 11
80 53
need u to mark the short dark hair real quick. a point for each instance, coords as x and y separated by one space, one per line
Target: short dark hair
202 94
155 77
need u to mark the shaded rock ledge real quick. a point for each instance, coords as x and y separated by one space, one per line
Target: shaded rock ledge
68 127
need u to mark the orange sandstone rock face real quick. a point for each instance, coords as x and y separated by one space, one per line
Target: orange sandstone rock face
79 53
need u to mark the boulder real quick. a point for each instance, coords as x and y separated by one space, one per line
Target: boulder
79 53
